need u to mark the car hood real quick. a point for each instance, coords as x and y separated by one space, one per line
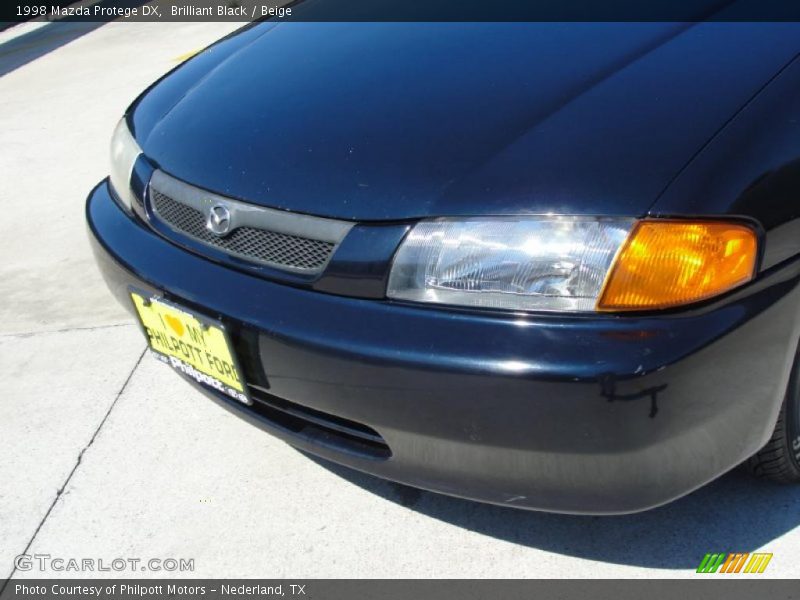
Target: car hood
385 121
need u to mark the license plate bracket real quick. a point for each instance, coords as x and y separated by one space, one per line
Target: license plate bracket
193 344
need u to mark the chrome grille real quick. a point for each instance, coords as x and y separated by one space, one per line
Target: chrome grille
247 242
257 234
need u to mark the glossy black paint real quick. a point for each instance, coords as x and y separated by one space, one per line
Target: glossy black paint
592 415
387 123
396 121
752 168
360 267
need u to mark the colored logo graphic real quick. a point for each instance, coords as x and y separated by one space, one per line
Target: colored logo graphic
736 562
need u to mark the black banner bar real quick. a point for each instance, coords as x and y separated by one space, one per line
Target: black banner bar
713 587
403 10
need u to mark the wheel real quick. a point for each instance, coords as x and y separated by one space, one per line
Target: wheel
779 460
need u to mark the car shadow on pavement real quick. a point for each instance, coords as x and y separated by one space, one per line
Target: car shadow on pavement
736 513
20 50
29 46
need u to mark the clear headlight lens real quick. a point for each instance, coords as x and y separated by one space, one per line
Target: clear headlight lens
525 263
124 152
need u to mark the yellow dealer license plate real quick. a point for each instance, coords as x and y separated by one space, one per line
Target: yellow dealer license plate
192 344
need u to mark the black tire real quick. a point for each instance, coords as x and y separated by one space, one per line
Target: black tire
779 460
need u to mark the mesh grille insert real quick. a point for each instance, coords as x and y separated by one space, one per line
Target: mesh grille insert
259 245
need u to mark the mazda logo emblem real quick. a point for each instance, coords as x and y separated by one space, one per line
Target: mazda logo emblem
219 220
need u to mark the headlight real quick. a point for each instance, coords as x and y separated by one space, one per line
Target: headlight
667 263
526 263
574 264
124 152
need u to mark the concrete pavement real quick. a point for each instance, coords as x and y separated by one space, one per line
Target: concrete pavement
110 455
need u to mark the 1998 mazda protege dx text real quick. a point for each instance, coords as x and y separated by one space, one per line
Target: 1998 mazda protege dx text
553 266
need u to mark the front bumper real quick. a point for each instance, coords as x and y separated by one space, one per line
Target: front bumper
568 414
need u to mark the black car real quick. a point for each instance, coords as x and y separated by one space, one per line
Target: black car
545 265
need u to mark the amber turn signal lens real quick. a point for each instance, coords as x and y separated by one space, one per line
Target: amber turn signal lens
667 263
